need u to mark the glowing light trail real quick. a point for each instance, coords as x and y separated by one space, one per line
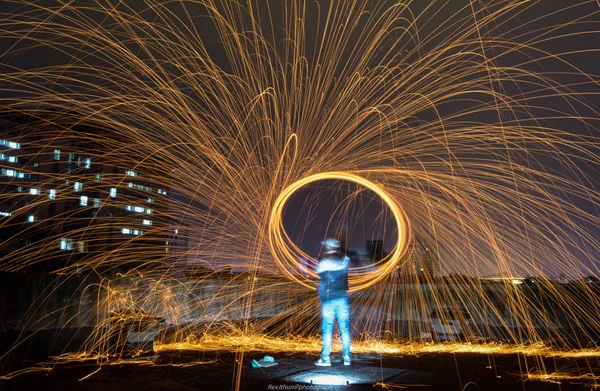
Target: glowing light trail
475 123
287 259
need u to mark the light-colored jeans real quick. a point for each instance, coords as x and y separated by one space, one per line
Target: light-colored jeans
330 310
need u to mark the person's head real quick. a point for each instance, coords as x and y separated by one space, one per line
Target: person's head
330 246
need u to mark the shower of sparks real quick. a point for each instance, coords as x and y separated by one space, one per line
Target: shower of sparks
471 125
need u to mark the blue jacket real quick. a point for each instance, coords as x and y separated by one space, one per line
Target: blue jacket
333 273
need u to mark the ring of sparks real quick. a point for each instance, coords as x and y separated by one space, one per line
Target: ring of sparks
288 255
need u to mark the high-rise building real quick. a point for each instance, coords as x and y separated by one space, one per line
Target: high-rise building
422 259
67 197
375 249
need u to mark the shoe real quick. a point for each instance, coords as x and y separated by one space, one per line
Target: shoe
323 362
347 360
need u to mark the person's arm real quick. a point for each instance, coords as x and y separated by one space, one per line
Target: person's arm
330 265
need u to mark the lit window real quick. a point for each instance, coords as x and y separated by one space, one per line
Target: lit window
20 175
147 222
13 159
8 172
131 173
5 214
31 218
96 202
52 194
138 209
2 156
113 192
88 163
138 186
77 186
150 199
83 200
97 177
82 247
66 244
10 144
34 191
161 191
19 189
57 154
36 164
128 231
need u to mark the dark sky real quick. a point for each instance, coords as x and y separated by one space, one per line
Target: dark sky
341 209
527 22
531 23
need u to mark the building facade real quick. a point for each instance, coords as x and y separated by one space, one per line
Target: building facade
68 199
422 259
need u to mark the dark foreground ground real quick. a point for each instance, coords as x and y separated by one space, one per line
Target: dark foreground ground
185 370
217 370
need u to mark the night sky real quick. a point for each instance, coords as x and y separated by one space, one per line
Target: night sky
307 222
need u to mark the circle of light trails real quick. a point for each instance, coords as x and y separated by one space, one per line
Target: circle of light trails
287 255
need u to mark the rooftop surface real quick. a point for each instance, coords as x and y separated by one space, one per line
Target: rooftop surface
192 370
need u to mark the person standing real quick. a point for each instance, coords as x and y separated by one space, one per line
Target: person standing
332 269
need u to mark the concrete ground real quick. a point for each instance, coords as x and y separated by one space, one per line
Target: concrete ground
188 370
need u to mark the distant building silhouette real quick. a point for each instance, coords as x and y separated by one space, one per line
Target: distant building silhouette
375 249
422 259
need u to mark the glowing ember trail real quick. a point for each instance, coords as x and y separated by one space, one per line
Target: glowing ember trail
287 259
